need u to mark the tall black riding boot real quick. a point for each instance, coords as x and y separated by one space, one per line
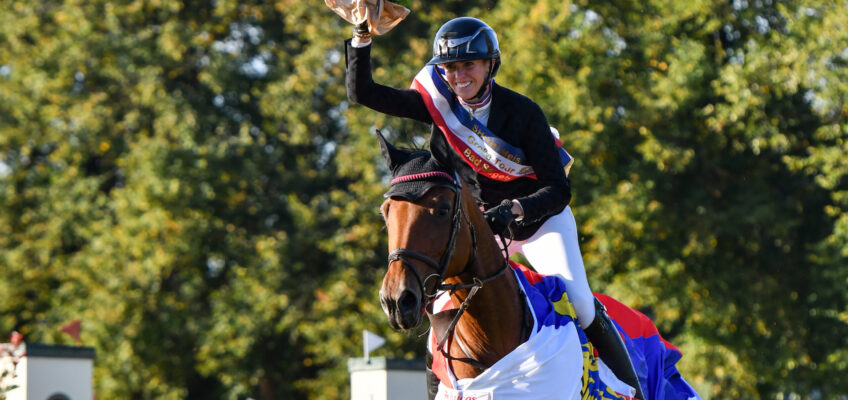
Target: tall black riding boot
605 338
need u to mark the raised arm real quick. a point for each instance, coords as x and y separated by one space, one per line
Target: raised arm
362 89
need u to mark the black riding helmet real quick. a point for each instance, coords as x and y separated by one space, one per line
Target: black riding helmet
467 38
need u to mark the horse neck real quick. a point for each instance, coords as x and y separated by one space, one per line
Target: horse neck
492 325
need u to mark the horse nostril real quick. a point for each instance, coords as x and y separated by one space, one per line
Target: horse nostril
387 305
407 302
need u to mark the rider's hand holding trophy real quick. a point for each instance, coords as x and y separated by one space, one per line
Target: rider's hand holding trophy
369 17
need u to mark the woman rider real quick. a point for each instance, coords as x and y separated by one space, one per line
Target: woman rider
456 93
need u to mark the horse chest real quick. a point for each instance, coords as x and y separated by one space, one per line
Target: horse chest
478 341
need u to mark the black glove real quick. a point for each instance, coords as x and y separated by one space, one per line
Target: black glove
499 217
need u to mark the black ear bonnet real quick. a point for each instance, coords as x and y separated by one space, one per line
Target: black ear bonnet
414 172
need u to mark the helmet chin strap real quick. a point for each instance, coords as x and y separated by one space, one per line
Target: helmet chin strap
488 84
482 92
481 97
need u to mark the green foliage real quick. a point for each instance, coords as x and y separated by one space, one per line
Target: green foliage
173 181
189 179
709 174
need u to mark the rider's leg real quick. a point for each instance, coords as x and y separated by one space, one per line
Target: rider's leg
554 250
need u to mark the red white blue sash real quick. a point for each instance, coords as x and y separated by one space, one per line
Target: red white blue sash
484 151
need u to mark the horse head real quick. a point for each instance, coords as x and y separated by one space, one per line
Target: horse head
430 236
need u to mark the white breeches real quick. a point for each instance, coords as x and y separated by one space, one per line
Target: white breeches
553 250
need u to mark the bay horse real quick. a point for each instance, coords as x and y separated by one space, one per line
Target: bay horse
497 330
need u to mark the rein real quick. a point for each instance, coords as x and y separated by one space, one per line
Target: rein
445 322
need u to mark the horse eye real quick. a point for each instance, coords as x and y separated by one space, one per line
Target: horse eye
442 210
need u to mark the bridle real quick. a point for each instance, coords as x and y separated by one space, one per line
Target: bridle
403 254
448 319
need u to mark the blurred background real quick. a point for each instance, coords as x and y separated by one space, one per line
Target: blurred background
189 181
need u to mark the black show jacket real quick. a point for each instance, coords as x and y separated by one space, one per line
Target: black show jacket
512 117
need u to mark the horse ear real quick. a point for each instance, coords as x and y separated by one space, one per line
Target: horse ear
394 157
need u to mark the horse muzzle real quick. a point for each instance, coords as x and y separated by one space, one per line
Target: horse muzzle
404 309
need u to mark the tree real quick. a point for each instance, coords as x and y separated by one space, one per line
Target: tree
172 180
689 123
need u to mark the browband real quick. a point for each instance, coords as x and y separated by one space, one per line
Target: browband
423 175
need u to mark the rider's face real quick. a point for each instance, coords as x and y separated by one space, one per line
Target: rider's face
466 77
